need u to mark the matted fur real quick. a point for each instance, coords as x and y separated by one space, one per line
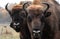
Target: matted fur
53 20
17 7
37 1
17 12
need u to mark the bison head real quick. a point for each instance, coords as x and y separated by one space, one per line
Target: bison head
18 16
36 17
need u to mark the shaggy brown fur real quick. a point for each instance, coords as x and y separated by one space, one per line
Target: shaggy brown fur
37 1
24 31
18 16
17 7
56 8
52 21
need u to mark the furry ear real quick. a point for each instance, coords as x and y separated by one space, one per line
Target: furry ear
47 14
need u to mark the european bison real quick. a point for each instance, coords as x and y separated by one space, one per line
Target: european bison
42 20
19 23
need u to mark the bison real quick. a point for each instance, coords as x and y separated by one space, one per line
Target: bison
19 23
42 20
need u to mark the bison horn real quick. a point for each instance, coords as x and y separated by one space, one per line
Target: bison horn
47 14
25 5
7 8
47 6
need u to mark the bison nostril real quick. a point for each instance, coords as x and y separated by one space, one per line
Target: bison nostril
36 34
34 31
16 23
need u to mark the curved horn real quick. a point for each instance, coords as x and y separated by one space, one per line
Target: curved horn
25 5
6 7
45 12
47 6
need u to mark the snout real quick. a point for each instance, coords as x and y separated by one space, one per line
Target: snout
36 33
36 29
15 26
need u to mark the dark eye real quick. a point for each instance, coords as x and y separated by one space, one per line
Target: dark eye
29 19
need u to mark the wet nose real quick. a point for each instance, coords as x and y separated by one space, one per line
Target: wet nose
16 23
36 30
36 33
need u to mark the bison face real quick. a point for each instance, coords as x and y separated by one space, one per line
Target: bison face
36 18
36 22
18 17
17 20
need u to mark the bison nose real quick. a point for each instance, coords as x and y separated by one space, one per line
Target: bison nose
16 24
36 31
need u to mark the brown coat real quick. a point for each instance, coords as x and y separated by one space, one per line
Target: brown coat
54 19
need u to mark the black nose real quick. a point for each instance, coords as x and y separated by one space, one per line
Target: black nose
36 33
16 23
36 30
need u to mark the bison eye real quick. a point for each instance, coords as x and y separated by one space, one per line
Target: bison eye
29 19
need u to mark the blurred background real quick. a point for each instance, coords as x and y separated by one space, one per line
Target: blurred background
5 31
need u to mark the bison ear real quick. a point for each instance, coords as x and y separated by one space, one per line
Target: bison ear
47 14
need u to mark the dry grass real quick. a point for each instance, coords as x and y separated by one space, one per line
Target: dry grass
8 33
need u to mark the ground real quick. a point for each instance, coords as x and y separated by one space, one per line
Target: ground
7 33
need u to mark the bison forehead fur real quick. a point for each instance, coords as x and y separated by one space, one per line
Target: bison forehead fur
17 7
36 8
